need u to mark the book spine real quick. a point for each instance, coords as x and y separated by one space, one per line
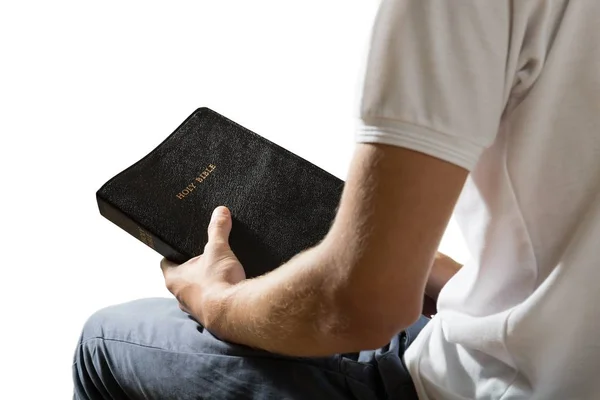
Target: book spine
130 226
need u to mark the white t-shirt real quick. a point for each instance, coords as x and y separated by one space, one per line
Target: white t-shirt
509 90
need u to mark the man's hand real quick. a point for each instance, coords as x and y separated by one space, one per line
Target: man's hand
443 269
217 269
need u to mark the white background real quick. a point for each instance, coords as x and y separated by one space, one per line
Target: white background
88 88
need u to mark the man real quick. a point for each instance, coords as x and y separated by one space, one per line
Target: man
500 97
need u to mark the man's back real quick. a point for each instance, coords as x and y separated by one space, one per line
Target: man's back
520 320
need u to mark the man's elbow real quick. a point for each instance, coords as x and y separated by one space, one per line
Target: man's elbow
381 332
372 326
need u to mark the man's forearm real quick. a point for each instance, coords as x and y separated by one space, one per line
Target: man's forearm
299 309
294 310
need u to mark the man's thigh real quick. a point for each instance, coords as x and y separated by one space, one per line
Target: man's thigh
150 349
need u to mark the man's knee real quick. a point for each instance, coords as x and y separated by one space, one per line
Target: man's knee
125 321
95 360
92 334
94 325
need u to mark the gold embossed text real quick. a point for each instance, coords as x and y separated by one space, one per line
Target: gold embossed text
199 179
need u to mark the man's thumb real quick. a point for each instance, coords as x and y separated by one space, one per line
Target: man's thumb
220 225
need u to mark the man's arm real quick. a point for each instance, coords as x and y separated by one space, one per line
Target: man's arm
365 281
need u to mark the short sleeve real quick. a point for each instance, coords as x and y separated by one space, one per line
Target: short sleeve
434 78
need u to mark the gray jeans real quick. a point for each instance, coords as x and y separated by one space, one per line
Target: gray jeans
150 349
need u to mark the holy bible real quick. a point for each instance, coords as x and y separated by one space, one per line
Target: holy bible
280 203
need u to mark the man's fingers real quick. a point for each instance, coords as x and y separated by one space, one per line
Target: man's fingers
166 264
182 308
220 226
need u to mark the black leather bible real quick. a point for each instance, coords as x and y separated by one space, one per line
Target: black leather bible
280 203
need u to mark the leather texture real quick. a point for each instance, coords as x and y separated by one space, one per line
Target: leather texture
281 203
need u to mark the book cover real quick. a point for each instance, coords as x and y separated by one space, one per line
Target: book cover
280 203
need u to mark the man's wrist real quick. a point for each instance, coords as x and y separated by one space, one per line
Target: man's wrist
212 306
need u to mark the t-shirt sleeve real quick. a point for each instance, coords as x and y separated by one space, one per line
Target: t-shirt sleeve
434 78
